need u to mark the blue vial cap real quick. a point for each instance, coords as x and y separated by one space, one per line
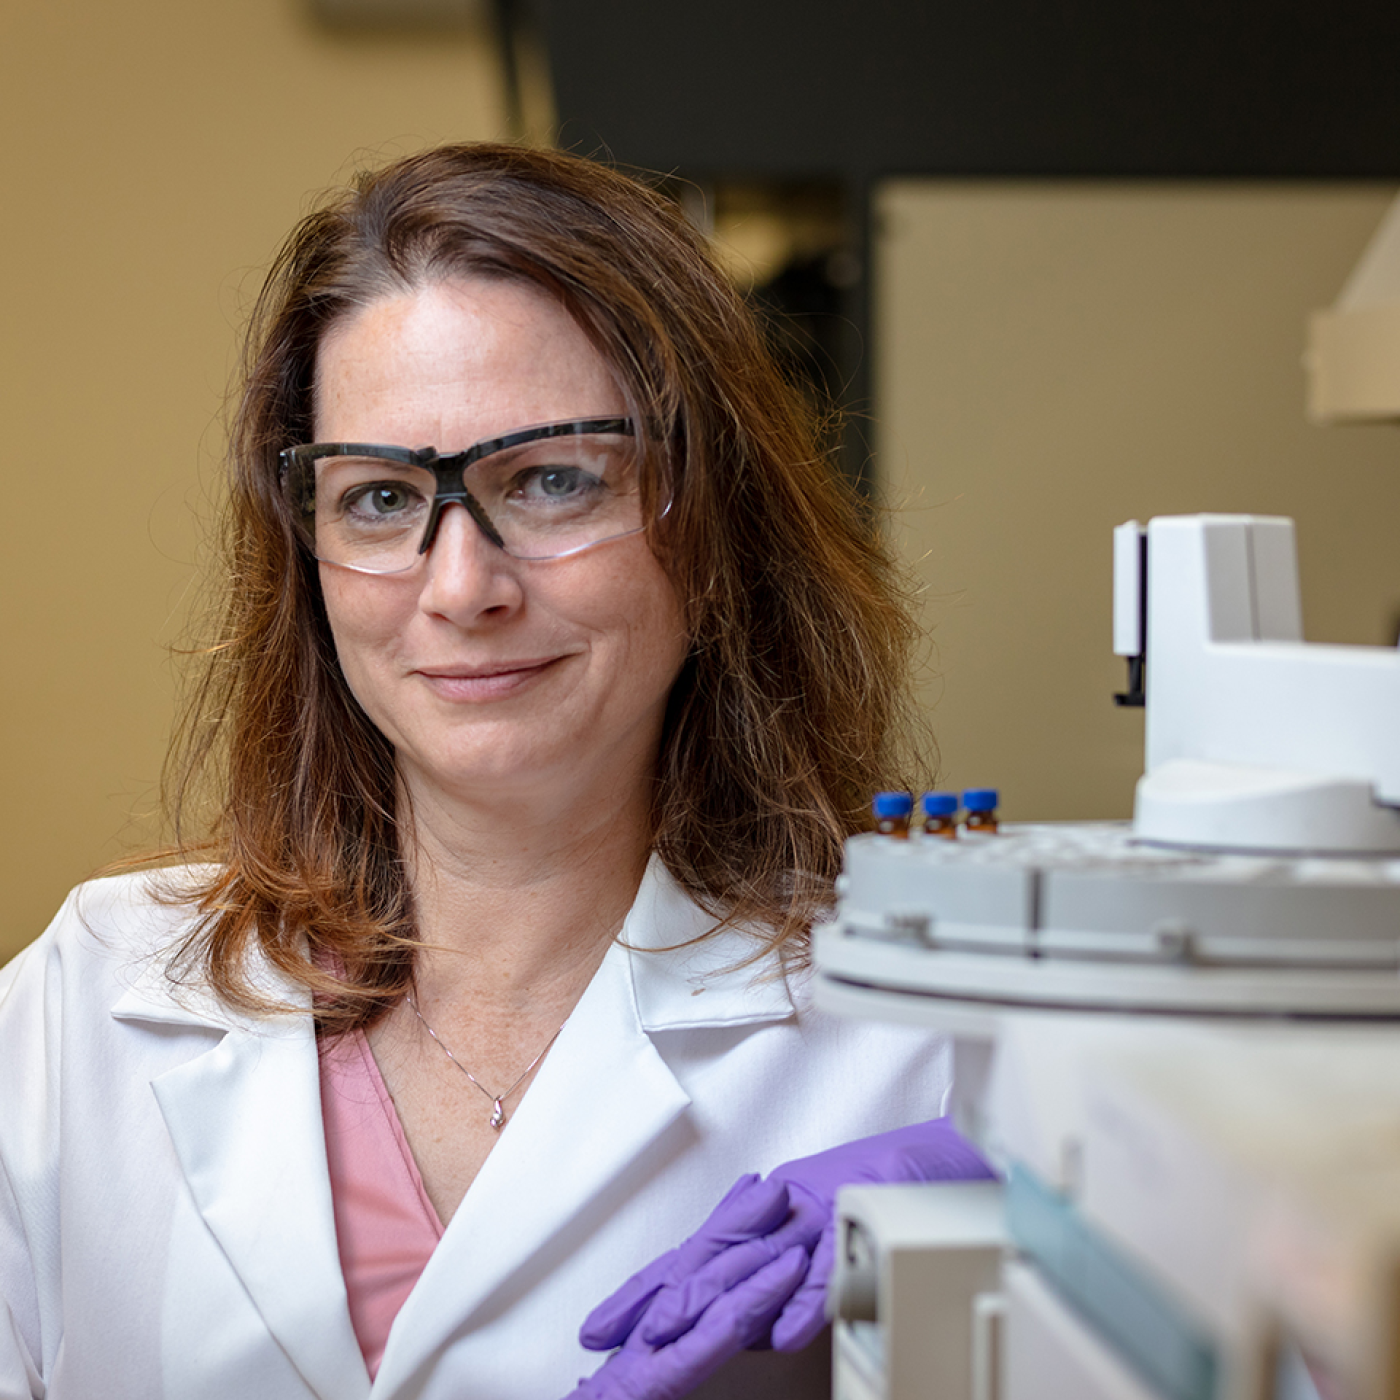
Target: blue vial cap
892 804
940 804
980 799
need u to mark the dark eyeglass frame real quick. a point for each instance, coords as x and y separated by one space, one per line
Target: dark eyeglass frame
448 468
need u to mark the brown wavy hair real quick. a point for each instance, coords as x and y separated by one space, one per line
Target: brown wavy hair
788 712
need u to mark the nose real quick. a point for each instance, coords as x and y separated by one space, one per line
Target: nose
466 577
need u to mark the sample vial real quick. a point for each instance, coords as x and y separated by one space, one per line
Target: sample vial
892 811
981 805
941 815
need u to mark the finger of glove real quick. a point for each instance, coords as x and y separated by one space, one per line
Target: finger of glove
938 1152
627 1375
675 1309
670 1372
612 1321
750 1207
932 1151
697 1274
734 1321
804 1314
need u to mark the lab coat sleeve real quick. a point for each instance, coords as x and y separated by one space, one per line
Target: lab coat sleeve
19 1378
19 1305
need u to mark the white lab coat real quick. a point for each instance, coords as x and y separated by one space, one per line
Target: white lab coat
165 1213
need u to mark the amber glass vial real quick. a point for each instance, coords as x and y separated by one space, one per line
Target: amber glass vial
941 815
892 811
981 807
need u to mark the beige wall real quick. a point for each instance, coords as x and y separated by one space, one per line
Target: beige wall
1054 360
154 153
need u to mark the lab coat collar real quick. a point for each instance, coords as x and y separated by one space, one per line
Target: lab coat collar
142 910
712 983
152 996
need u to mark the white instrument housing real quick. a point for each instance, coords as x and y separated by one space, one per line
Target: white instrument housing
1256 740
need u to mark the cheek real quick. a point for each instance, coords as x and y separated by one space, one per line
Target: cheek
668 644
650 618
364 616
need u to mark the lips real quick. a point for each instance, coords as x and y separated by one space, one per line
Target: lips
494 668
494 680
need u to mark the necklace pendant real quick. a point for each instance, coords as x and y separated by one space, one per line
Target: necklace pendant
498 1118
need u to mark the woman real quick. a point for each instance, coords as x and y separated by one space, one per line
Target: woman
555 668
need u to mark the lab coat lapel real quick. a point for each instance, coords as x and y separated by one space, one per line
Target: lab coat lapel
245 1121
604 1096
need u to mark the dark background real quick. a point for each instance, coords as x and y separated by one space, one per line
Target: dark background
837 94
1107 88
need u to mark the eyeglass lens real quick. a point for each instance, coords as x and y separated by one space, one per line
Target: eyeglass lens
545 498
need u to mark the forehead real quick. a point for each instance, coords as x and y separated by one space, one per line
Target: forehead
452 362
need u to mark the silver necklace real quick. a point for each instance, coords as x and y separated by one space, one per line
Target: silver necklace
498 1110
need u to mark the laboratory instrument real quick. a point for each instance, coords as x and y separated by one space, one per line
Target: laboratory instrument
1175 1037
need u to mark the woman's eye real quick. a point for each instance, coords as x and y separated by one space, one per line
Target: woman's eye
381 498
557 483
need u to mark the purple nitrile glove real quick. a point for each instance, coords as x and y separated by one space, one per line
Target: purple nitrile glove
735 1318
751 1209
933 1151
667 1299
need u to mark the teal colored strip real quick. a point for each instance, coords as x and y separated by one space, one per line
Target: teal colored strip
1168 1349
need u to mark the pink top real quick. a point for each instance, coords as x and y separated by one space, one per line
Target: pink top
385 1224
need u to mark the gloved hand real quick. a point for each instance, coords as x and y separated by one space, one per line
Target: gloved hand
933 1151
729 1266
752 1209
640 1371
